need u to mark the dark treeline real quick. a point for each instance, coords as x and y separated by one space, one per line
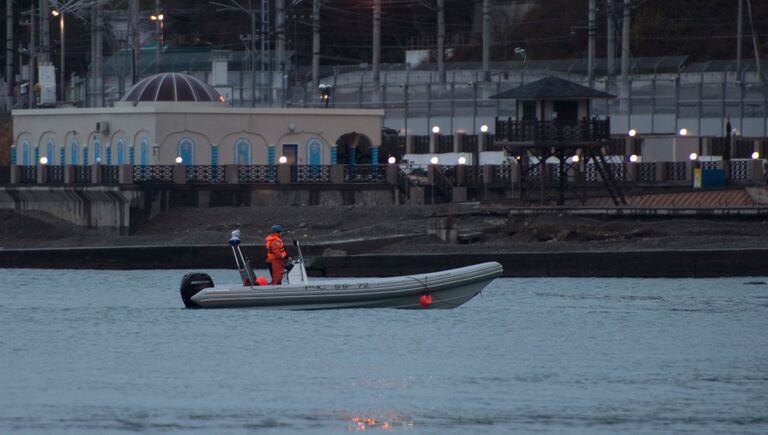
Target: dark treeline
702 29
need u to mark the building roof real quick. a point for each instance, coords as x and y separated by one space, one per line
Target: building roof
551 87
172 87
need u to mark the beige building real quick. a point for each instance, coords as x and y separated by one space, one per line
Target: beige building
171 115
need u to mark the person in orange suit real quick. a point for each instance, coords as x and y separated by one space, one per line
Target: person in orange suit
276 255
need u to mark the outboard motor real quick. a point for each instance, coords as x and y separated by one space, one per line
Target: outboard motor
191 284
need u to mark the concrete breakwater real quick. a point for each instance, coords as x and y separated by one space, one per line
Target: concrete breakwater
650 264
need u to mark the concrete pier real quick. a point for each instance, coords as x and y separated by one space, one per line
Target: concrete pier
645 264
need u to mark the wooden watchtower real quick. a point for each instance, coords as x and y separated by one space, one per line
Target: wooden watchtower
554 120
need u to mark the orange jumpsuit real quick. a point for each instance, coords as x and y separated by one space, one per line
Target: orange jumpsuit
276 257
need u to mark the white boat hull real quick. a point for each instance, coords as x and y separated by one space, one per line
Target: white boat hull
444 289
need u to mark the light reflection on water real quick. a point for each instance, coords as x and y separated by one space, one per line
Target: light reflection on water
107 352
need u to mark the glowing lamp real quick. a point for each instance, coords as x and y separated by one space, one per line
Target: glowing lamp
391 160
693 156
683 131
282 159
179 159
436 129
462 160
433 160
484 128
633 158
632 132
43 160
575 158
756 155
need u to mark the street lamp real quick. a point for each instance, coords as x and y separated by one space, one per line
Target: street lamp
60 14
520 51
632 132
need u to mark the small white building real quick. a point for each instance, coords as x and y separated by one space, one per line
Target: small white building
172 115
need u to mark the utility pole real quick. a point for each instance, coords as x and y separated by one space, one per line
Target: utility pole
135 37
315 43
264 41
252 14
754 42
740 34
625 43
158 35
376 42
611 39
45 31
62 60
32 55
9 78
486 40
280 30
97 59
591 43
441 41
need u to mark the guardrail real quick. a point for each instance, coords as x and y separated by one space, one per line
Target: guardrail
737 171
153 174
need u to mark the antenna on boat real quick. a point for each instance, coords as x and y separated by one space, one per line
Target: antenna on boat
303 270
241 261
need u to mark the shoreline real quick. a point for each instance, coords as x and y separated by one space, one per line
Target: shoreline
669 263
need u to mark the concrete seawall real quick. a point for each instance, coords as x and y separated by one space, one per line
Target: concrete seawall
667 264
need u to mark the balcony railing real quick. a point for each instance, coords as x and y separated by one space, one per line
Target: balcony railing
364 174
310 174
445 144
257 174
110 174
54 174
420 144
28 175
205 174
738 171
153 174
82 174
552 132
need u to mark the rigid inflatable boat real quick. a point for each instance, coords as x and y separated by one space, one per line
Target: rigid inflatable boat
444 289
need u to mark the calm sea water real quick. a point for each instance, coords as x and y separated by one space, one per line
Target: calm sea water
114 352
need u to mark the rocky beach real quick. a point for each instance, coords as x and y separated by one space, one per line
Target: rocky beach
487 229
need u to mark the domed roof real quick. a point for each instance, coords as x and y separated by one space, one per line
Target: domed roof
172 87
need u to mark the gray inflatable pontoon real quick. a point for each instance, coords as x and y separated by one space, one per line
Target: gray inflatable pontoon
444 289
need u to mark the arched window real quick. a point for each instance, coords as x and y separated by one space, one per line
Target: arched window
315 152
242 152
120 151
25 153
74 151
97 151
186 150
144 152
50 153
